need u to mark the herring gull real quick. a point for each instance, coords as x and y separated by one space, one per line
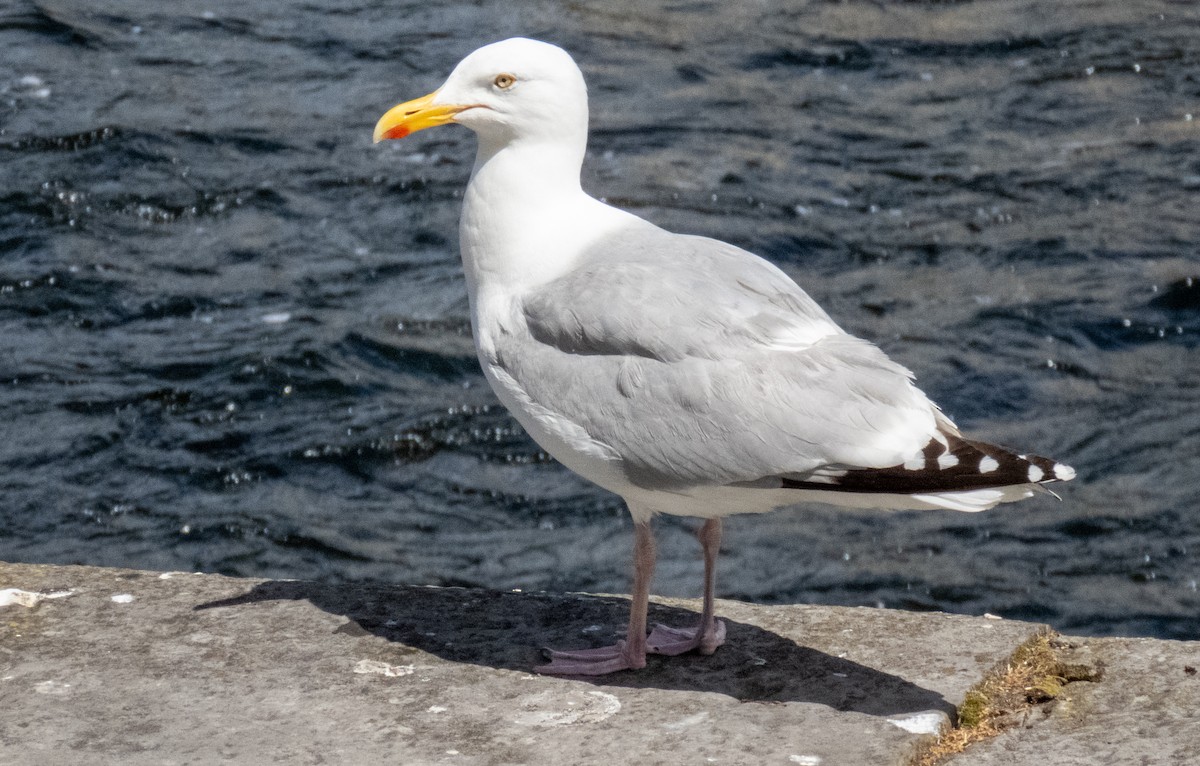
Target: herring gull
682 373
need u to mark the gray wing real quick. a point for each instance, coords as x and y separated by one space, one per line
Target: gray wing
665 296
699 363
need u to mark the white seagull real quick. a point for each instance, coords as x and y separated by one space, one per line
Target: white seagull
682 373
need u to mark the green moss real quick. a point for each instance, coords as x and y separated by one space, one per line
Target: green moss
1045 688
1034 674
1078 672
973 710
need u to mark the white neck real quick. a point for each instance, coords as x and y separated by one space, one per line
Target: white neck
525 217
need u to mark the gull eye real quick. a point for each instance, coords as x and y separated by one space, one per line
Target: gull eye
504 81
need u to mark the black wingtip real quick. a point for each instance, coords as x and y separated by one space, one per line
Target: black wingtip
947 464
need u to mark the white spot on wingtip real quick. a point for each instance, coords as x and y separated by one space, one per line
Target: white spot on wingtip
122 598
1063 472
988 464
1035 473
947 460
921 723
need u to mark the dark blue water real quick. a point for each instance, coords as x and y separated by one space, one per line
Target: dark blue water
233 333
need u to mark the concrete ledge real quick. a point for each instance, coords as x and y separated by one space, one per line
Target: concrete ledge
103 666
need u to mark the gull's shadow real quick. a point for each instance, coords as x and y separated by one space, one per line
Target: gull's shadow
506 630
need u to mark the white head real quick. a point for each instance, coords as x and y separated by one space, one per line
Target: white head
516 90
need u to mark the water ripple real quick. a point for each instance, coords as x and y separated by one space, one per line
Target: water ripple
236 335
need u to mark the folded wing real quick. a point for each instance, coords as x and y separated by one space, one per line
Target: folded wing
702 364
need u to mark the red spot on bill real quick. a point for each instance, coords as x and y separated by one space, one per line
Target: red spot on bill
400 131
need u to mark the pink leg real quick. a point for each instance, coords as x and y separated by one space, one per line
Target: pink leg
710 633
629 654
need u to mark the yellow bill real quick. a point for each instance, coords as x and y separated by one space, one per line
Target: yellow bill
411 116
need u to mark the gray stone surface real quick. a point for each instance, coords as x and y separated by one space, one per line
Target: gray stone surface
125 667
1145 710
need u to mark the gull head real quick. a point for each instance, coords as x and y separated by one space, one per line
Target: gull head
513 90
